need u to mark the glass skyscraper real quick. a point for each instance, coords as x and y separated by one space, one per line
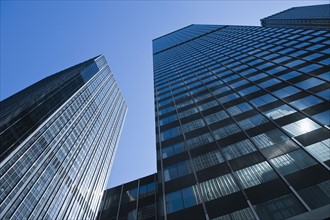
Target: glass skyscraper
58 141
134 200
307 17
242 123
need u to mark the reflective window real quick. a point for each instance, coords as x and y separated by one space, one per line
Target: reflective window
323 117
226 131
170 133
207 160
280 208
193 125
243 214
301 127
237 109
317 195
324 94
269 82
290 75
256 174
172 150
262 100
279 112
309 83
249 90
146 190
218 116
167 120
176 170
306 102
253 121
320 150
218 187
199 141
293 162
181 199
238 149
286 91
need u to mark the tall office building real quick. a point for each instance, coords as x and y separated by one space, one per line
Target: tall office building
134 200
306 17
242 123
58 141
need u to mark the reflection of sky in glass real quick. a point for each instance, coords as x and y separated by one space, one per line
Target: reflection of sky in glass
279 112
323 117
306 102
320 150
301 127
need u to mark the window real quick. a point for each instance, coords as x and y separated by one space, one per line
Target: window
218 187
243 214
238 149
309 83
181 199
263 100
226 131
146 190
207 160
269 83
301 127
323 117
177 170
170 133
237 109
317 195
193 125
292 162
306 102
310 68
256 174
218 116
167 120
290 75
252 121
320 150
279 112
279 208
199 141
248 90
172 150
286 91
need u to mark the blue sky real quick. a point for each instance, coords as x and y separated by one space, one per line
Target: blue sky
41 38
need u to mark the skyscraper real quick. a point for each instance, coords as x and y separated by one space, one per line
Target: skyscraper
242 123
307 17
134 200
58 141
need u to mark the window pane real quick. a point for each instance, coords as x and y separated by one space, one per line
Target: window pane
218 187
279 208
293 162
256 174
301 127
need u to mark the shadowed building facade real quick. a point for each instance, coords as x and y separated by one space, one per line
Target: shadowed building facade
242 122
305 17
58 141
134 200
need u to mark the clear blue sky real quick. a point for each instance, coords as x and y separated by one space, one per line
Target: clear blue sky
41 38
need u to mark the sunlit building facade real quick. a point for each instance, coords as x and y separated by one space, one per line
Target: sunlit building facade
242 123
58 141
304 17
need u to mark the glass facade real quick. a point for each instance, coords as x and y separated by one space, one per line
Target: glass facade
242 122
305 17
58 141
133 200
